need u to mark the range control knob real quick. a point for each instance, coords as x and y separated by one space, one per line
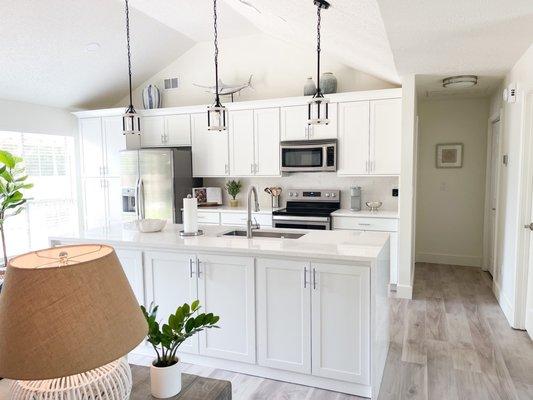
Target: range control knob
327 194
296 194
290 194
333 195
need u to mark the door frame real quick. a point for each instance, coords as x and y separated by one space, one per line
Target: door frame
498 116
525 200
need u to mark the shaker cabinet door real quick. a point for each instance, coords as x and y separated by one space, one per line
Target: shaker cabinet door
284 315
267 134
294 123
209 149
153 131
171 281
385 136
354 138
340 298
226 288
91 139
241 140
132 264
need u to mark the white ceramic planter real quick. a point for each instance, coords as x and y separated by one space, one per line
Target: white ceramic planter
165 381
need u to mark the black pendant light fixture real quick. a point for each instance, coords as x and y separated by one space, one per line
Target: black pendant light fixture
217 113
318 106
131 122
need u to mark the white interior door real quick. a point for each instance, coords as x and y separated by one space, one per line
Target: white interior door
226 287
529 293
494 164
171 281
284 315
241 139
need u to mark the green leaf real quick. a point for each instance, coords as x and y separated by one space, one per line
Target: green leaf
2 169
7 159
22 178
199 320
186 309
7 176
189 325
195 305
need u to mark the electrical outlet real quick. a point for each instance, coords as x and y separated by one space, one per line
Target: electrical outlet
395 192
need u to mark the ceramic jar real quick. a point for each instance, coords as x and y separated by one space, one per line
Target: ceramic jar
165 382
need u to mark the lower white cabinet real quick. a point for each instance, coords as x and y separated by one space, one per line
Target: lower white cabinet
171 281
226 287
314 318
283 315
340 304
132 264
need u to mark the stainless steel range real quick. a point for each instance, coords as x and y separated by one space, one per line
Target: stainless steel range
307 209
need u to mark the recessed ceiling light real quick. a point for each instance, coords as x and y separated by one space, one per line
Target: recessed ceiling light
92 47
460 82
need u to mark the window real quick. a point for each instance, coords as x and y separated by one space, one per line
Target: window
53 207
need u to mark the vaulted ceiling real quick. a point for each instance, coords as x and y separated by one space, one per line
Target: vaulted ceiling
72 53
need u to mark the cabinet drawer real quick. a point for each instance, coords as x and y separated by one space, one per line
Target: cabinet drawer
264 220
366 224
208 218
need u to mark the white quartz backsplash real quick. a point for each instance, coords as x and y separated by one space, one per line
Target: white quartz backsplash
373 188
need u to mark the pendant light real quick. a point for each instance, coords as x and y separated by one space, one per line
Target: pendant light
131 122
217 113
318 106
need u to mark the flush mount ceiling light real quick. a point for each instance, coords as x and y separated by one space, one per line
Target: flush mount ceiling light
318 107
131 122
217 113
460 82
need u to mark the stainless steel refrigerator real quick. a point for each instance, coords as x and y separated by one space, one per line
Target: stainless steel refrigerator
155 181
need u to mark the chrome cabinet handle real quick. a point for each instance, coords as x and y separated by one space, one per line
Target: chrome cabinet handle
529 226
191 273
314 278
256 168
363 224
198 271
252 168
305 277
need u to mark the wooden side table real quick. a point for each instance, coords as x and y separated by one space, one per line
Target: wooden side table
192 387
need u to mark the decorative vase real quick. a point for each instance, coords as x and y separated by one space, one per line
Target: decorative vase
234 203
151 97
310 87
165 381
328 83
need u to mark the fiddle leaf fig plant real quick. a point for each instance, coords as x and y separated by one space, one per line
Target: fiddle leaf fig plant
12 184
167 338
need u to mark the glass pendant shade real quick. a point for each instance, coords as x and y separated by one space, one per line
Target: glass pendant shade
318 111
131 122
217 117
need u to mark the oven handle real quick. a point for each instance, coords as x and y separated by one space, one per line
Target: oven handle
295 218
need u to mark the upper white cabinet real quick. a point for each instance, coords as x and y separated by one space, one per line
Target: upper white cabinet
370 137
210 154
226 287
102 141
254 142
354 139
386 136
267 137
294 124
283 315
166 130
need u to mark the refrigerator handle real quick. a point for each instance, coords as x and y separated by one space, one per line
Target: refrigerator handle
141 198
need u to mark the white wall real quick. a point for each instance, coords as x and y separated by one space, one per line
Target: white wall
278 68
510 222
373 188
450 202
408 183
33 118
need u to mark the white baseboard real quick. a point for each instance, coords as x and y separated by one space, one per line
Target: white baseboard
404 292
450 259
505 303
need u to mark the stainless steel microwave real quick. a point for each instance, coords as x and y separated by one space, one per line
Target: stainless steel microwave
309 156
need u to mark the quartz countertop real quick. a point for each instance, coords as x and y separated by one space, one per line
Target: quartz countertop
322 245
365 214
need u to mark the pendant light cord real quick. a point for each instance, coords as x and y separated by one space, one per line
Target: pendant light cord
216 50
319 20
129 51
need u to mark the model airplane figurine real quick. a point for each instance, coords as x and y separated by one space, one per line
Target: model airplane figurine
226 90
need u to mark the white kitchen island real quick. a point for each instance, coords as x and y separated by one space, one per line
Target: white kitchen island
312 311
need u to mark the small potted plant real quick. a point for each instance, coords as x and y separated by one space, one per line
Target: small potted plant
234 188
165 371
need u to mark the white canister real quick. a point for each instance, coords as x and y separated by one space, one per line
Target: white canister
165 382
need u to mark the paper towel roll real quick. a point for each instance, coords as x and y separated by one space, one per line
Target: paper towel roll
190 215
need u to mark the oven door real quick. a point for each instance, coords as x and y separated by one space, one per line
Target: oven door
295 222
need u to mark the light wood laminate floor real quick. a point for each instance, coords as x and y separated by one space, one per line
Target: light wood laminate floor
451 342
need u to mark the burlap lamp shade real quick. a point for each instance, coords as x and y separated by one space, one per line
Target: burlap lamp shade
64 311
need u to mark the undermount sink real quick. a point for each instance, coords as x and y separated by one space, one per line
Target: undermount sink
265 234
